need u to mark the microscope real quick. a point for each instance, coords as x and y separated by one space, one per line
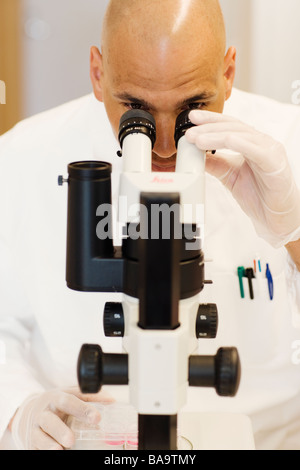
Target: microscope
159 269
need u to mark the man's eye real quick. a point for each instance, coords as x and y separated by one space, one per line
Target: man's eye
134 105
196 105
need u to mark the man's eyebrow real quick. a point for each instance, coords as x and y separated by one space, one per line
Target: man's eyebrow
204 96
132 99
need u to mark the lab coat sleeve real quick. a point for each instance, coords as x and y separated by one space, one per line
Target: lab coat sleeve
33 154
39 141
17 377
291 141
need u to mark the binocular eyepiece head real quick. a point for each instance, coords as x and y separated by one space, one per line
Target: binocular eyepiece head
137 121
183 123
140 121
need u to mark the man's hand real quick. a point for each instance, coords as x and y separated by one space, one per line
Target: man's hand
39 423
257 174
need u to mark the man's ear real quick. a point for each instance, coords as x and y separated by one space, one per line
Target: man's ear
96 72
229 70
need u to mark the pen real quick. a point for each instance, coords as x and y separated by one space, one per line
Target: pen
258 274
241 272
270 282
257 267
250 275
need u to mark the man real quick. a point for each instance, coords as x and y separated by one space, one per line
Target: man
162 56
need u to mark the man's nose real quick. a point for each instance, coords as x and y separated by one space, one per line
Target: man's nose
165 144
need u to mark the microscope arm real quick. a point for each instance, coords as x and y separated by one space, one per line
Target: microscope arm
159 309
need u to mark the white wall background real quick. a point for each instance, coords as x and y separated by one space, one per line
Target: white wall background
267 35
275 43
57 36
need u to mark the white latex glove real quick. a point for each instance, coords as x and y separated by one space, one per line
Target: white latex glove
258 175
39 423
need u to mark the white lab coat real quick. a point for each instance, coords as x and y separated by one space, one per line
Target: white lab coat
43 324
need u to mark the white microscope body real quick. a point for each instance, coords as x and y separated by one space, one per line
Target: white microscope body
158 359
160 271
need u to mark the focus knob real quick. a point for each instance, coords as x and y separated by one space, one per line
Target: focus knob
207 321
96 368
222 371
113 319
89 368
228 372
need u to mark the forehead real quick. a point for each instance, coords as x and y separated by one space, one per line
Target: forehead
153 72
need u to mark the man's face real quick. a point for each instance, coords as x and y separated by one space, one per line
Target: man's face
163 81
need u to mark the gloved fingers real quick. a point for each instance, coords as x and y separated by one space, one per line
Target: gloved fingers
42 441
54 427
220 138
198 117
101 397
216 131
239 142
221 167
223 126
74 406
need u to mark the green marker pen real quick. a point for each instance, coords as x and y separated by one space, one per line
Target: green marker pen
241 273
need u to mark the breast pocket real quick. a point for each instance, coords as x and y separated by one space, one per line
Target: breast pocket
256 326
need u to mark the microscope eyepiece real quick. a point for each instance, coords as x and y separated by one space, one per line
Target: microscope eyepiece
137 121
89 170
183 123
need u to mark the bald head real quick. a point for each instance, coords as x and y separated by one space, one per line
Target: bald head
164 22
163 56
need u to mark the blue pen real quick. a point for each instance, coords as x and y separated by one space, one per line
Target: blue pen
270 282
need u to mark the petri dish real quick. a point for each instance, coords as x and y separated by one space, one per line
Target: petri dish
117 430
